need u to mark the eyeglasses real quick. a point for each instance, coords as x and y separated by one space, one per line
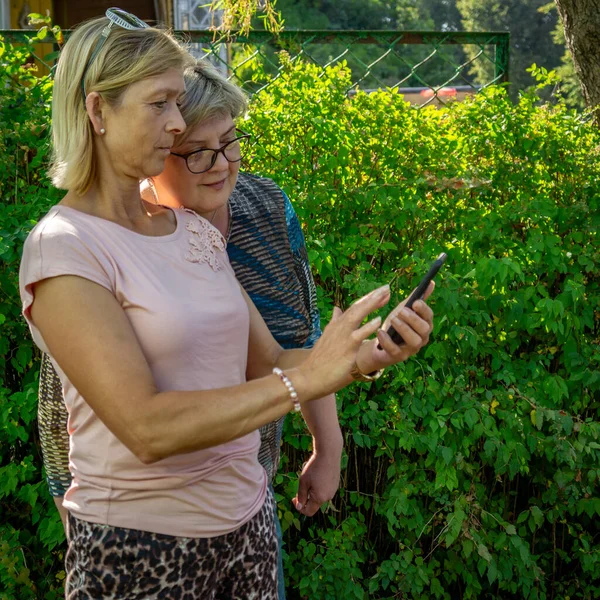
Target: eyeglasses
200 161
118 17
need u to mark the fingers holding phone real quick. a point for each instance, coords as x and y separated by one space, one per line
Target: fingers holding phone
412 325
413 306
421 292
406 329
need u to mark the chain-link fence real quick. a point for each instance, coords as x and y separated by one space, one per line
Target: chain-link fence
427 67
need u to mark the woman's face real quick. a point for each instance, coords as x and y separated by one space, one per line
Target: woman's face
141 129
204 192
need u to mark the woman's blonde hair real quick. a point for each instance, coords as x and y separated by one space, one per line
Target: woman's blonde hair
126 57
208 94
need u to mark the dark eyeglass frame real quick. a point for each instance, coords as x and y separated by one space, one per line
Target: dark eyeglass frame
120 18
216 152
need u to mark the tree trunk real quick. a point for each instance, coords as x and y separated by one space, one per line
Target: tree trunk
581 20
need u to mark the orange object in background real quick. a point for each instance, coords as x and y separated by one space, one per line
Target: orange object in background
442 92
427 95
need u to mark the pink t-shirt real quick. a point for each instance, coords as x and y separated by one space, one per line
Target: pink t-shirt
182 298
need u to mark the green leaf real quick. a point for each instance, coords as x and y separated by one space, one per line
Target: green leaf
492 572
484 552
471 417
448 455
538 515
455 522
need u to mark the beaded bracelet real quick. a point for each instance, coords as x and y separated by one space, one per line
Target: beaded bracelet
290 387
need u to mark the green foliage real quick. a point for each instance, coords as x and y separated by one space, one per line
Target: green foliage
531 28
30 532
444 13
536 36
238 14
434 66
472 470
351 14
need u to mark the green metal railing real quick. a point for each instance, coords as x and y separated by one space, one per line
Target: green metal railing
431 65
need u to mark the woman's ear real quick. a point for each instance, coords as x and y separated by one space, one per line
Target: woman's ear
94 105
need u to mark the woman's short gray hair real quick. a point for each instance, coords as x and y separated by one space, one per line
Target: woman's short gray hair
208 94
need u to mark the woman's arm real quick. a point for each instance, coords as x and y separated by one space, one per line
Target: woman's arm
320 476
414 325
90 337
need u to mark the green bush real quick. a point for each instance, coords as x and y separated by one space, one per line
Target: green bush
472 470
31 533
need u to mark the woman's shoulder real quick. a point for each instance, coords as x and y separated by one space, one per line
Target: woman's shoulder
256 198
257 186
256 179
63 236
55 224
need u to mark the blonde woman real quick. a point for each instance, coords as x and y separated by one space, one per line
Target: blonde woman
266 249
167 367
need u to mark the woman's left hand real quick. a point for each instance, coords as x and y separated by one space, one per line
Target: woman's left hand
318 483
414 325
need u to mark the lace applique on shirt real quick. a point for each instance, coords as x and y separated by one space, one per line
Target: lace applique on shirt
204 242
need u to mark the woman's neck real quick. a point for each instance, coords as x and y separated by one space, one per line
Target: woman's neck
153 193
219 218
121 204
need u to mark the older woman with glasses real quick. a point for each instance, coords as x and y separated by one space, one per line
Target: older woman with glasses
167 367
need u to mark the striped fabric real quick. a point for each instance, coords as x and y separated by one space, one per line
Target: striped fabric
52 423
267 251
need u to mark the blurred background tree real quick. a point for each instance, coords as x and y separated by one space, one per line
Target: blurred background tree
531 39
581 21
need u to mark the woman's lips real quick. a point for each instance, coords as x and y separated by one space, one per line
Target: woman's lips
217 185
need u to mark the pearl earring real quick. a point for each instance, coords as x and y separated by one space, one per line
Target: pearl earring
102 131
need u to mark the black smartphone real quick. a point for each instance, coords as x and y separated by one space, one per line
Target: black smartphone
418 294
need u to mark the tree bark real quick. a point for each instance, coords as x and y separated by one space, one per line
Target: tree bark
581 20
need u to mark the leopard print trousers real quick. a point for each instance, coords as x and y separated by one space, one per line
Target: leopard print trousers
113 562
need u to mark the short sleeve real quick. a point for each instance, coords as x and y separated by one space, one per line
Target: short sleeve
56 247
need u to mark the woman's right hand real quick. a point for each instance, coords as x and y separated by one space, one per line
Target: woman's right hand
327 369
